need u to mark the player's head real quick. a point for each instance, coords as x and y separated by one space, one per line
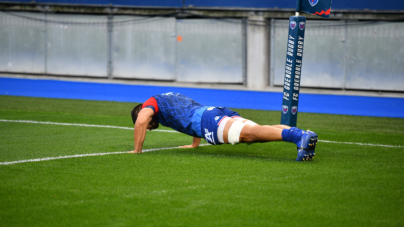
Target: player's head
153 124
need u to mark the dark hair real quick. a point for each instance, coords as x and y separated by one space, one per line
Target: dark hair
135 111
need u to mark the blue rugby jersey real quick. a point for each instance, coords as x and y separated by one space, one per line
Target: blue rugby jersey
178 112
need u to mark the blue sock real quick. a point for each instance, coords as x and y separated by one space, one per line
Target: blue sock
292 135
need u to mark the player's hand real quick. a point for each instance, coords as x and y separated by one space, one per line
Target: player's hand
195 143
188 146
136 152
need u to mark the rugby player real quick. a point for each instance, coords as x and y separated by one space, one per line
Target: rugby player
217 125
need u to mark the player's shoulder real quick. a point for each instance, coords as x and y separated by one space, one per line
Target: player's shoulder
151 103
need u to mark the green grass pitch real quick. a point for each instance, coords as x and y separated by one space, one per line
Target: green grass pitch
258 185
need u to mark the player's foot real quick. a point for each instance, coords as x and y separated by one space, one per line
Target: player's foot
313 147
306 146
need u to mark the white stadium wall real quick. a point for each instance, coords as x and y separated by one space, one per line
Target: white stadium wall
251 51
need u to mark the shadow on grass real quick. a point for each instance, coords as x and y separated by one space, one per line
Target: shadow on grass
242 151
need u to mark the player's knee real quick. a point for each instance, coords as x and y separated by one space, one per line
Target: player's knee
247 134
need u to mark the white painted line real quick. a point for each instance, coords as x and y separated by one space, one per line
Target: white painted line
86 155
74 124
362 144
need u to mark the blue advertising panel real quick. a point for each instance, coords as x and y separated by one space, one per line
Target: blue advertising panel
290 4
273 4
320 8
147 3
368 4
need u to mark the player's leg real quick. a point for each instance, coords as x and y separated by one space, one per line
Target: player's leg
281 126
232 128
250 133
237 132
236 116
267 133
250 122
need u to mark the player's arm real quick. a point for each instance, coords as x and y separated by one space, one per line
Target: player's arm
143 119
195 143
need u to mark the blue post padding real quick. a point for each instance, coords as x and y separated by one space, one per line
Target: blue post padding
311 103
293 68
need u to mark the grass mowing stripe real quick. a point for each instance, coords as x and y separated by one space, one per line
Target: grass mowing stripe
75 124
85 155
158 130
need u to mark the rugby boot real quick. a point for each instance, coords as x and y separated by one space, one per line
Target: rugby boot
306 146
312 148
